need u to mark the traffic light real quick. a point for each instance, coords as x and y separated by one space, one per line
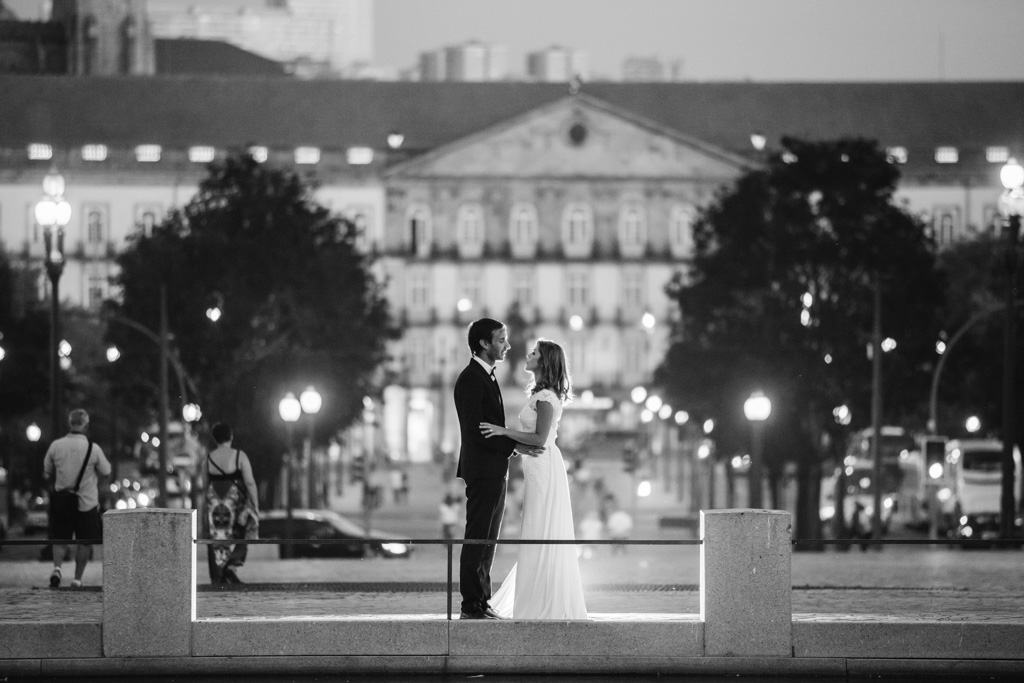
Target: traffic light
630 459
358 471
934 452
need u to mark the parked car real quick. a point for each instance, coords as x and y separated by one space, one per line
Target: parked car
37 517
347 538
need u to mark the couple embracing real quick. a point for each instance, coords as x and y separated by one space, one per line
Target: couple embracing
545 582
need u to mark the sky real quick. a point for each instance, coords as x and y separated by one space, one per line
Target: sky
729 40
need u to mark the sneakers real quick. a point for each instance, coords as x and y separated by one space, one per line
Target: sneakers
77 583
55 578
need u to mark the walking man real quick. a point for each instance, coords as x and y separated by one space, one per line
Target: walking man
74 465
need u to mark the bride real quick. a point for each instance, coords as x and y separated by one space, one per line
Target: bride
545 582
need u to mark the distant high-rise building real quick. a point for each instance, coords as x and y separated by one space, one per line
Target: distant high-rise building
472 61
556 64
318 37
651 69
105 38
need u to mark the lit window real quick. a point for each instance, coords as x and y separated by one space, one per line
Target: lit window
946 155
788 157
360 156
307 155
94 152
200 154
147 153
40 152
471 286
997 155
258 153
896 155
97 291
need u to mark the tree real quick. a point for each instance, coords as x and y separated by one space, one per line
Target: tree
300 305
780 298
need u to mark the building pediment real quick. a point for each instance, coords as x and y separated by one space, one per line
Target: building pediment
575 137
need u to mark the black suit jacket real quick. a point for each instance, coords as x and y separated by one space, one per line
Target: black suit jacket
478 399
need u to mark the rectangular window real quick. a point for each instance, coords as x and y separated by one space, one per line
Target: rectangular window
359 156
37 151
146 217
259 153
471 287
522 287
633 355
94 216
307 155
94 152
633 290
896 155
97 291
201 154
577 356
997 155
578 293
946 155
419 289
147 153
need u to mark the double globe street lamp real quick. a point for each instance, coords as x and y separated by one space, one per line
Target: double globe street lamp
1011 208
53 213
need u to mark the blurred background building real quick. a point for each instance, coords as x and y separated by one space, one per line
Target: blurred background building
557 64
471 61
651 70
562 212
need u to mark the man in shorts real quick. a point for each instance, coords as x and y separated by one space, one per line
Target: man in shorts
62 465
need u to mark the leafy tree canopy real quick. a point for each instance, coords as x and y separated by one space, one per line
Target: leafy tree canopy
780 297
300 305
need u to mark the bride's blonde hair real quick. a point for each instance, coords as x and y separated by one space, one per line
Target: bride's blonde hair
552 371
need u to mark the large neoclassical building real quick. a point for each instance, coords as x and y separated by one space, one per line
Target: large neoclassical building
562 210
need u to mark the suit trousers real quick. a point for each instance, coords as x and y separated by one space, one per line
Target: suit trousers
485 506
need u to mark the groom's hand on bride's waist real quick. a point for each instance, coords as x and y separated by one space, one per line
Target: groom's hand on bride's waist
523 449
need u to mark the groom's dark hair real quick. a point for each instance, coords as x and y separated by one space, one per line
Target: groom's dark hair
481 330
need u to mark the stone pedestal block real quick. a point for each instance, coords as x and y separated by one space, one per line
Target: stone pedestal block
149 585
745 585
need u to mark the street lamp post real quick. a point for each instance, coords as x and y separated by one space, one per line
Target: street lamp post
53 213
757 408
310 401
1011 207
290 410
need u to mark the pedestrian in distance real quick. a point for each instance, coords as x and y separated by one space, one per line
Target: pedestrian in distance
483 462
74 465
449 513
231 504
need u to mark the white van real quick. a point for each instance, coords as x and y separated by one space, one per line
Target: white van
976 471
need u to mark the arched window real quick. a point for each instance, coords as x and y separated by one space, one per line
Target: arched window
469 231
523 231
420 230
577 230
680 231
632 231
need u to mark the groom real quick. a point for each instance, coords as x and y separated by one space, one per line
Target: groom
483 463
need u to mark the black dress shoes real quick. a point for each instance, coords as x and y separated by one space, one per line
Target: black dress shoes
487 614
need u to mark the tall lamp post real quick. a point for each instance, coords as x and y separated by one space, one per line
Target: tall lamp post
290 410
53 213
757 408
310 401
1011 207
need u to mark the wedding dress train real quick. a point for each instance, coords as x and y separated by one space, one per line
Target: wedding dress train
545 582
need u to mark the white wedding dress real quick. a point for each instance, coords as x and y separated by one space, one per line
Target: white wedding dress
545 582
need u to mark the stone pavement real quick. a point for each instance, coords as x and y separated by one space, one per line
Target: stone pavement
653 582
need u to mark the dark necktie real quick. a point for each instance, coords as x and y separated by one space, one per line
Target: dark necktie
497 389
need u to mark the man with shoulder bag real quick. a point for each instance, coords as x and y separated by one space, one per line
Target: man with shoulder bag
74 464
